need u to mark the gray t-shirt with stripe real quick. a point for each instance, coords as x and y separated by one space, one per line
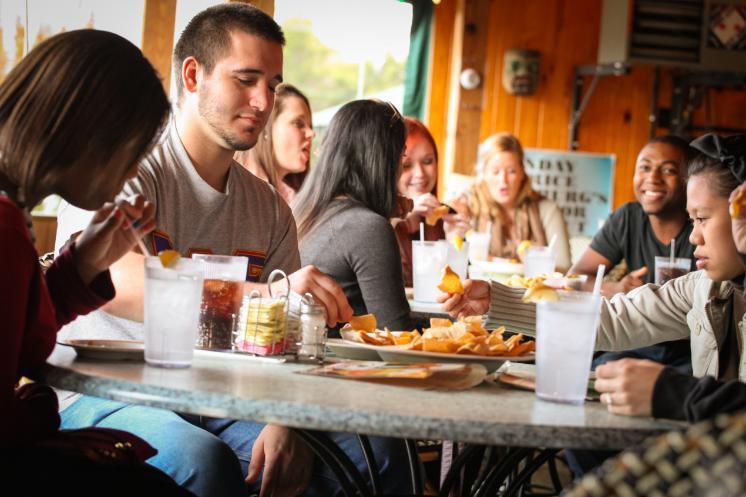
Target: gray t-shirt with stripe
249 218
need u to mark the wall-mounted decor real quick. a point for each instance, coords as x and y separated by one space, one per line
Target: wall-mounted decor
521 71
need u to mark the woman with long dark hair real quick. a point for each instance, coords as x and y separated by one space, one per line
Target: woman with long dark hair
343 210
76 116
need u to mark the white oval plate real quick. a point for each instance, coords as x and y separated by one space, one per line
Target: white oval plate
107 350
347 349
411 356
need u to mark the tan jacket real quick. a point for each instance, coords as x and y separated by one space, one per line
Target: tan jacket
679 309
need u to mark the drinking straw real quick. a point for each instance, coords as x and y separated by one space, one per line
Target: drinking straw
673 251
599 279
552 242
422 232
140 244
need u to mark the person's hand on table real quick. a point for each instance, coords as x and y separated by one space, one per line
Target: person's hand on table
739 222
111 234
283 460
626 386
631 280
475 300
325 291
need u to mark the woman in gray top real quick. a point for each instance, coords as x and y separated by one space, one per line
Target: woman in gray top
344 206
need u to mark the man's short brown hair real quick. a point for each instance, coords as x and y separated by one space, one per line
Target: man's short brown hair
208 35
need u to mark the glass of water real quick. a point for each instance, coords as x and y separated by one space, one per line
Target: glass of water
538 261
172 301
457 259
479 245
565 339
428 261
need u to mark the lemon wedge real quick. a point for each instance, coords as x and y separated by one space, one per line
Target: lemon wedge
539 293
525 244
458 242
169 258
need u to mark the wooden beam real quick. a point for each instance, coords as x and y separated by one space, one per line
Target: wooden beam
441 55
158 36
455 113
267 6
468 114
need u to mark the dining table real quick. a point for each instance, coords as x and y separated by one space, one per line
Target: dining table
275 390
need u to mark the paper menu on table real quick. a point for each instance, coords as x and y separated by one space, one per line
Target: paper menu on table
442 376
378 369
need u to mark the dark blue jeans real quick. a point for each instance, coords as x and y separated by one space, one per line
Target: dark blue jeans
210 456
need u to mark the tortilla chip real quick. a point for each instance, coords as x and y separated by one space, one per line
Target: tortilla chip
523 348
738 203
415 344
450 282
434 344
405 337
377 337
498 349
366 322
440 323
513 341
436 214
473 325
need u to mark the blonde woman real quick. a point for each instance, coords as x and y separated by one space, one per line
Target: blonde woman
503 201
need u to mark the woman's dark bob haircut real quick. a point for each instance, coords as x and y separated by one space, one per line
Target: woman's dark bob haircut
81 95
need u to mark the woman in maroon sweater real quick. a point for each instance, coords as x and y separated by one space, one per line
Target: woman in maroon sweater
76 116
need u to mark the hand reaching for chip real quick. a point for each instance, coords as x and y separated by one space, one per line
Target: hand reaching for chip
474 301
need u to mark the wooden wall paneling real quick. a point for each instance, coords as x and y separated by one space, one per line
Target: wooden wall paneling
566 32
574 42
616 121
470 102
441 53
158 36
536 36
565 39
722 107
498 109
45 230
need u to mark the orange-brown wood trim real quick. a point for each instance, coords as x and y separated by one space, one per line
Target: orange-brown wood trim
158 36
441 54
471 102
267 6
